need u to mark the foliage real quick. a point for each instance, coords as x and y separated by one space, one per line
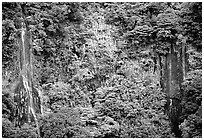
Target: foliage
136 107
95 64
195 59
9 131
193 92
8 106
191 21
192 127
7 128
63 124
8 34
192 105
60 94
26 132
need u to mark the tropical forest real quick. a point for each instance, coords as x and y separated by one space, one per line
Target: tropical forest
101 70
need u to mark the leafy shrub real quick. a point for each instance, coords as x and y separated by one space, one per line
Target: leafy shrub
136 107
109 128
62 124
8 105
9 131
192 105
193 82
61 94
26 131
195 60
7 128
115 109
192 127
192 87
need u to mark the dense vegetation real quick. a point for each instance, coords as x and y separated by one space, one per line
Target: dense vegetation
103 69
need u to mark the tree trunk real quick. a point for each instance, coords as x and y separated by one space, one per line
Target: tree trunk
26 96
